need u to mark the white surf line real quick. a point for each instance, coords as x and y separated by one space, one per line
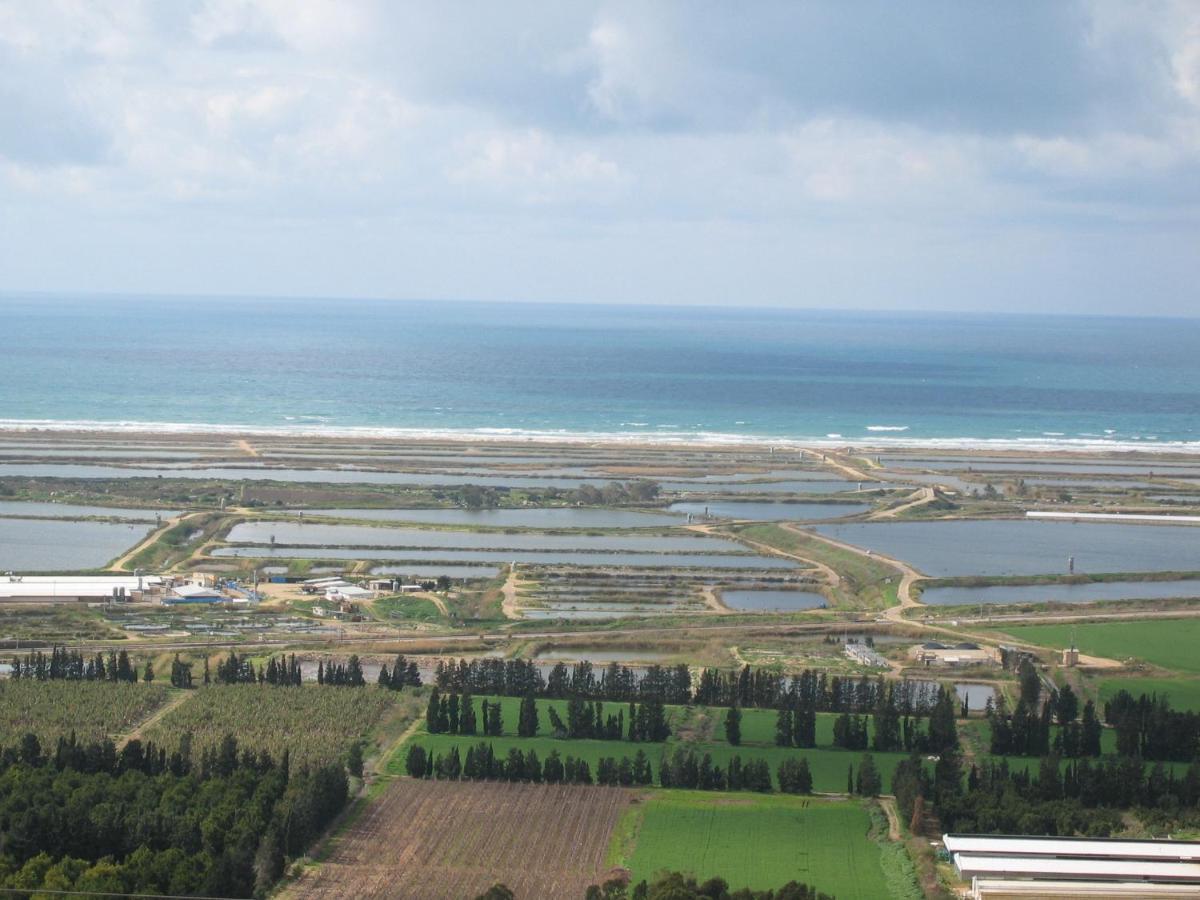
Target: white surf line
1114 517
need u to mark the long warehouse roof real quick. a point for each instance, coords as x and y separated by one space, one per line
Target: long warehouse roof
1072 847
1095 869
988 888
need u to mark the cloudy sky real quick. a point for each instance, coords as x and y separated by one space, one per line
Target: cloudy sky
1040 156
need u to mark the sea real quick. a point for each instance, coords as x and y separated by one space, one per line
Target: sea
672 374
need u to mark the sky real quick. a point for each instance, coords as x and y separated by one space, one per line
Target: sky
1020 156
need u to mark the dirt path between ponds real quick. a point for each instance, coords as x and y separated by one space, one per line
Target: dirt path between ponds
908 575
834 579
711 600
122 564
509 606
919 498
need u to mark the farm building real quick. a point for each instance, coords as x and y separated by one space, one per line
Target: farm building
80 588
935 653
347 591
1000 867
193 593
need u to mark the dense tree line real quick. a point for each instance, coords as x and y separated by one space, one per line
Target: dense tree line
747 688
1029 729
586 719
812 689
1149 728
350 674
1082 796
895 728
481 763
681 769
90 818
70 665
678 886
404 673
684 769
615 493
181 673
519 678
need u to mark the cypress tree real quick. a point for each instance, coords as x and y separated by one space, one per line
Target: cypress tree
733 725
432 710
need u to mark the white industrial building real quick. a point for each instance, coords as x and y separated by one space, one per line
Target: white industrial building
77 588
1000 868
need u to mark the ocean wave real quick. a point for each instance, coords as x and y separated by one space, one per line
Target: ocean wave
887 428
568 436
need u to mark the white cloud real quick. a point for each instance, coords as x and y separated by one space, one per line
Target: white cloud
770 124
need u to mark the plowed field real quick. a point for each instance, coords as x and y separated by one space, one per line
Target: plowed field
453 840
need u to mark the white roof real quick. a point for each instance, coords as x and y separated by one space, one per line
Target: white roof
1095 869
985 888
196 590
327 579
72 586
347 590
1074 847
1112 517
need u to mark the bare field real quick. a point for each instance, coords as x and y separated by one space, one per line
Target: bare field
443 839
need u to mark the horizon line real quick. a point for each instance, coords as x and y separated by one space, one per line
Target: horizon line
58 294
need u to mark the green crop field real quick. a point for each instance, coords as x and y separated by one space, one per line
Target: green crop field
1183 693
94 710
754 841
316 724
828 765
1169 643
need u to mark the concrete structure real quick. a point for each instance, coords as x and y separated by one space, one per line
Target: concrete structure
935 653
193 593
1070 657
76 588
1000 867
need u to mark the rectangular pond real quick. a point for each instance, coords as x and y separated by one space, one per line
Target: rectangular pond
771 487
593 560
1025 546
44 545
1092 592
564 517
772 601
1007 465
767 511
315 534
432 570
41 510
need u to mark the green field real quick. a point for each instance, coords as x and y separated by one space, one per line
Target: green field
828 765
1184 693
754 841
1169 643
417 609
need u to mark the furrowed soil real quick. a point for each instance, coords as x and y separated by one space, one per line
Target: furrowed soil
442 840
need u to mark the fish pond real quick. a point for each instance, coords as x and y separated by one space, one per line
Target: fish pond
1089 592
41 545
1025 546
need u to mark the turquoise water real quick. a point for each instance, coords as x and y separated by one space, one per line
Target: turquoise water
679 373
